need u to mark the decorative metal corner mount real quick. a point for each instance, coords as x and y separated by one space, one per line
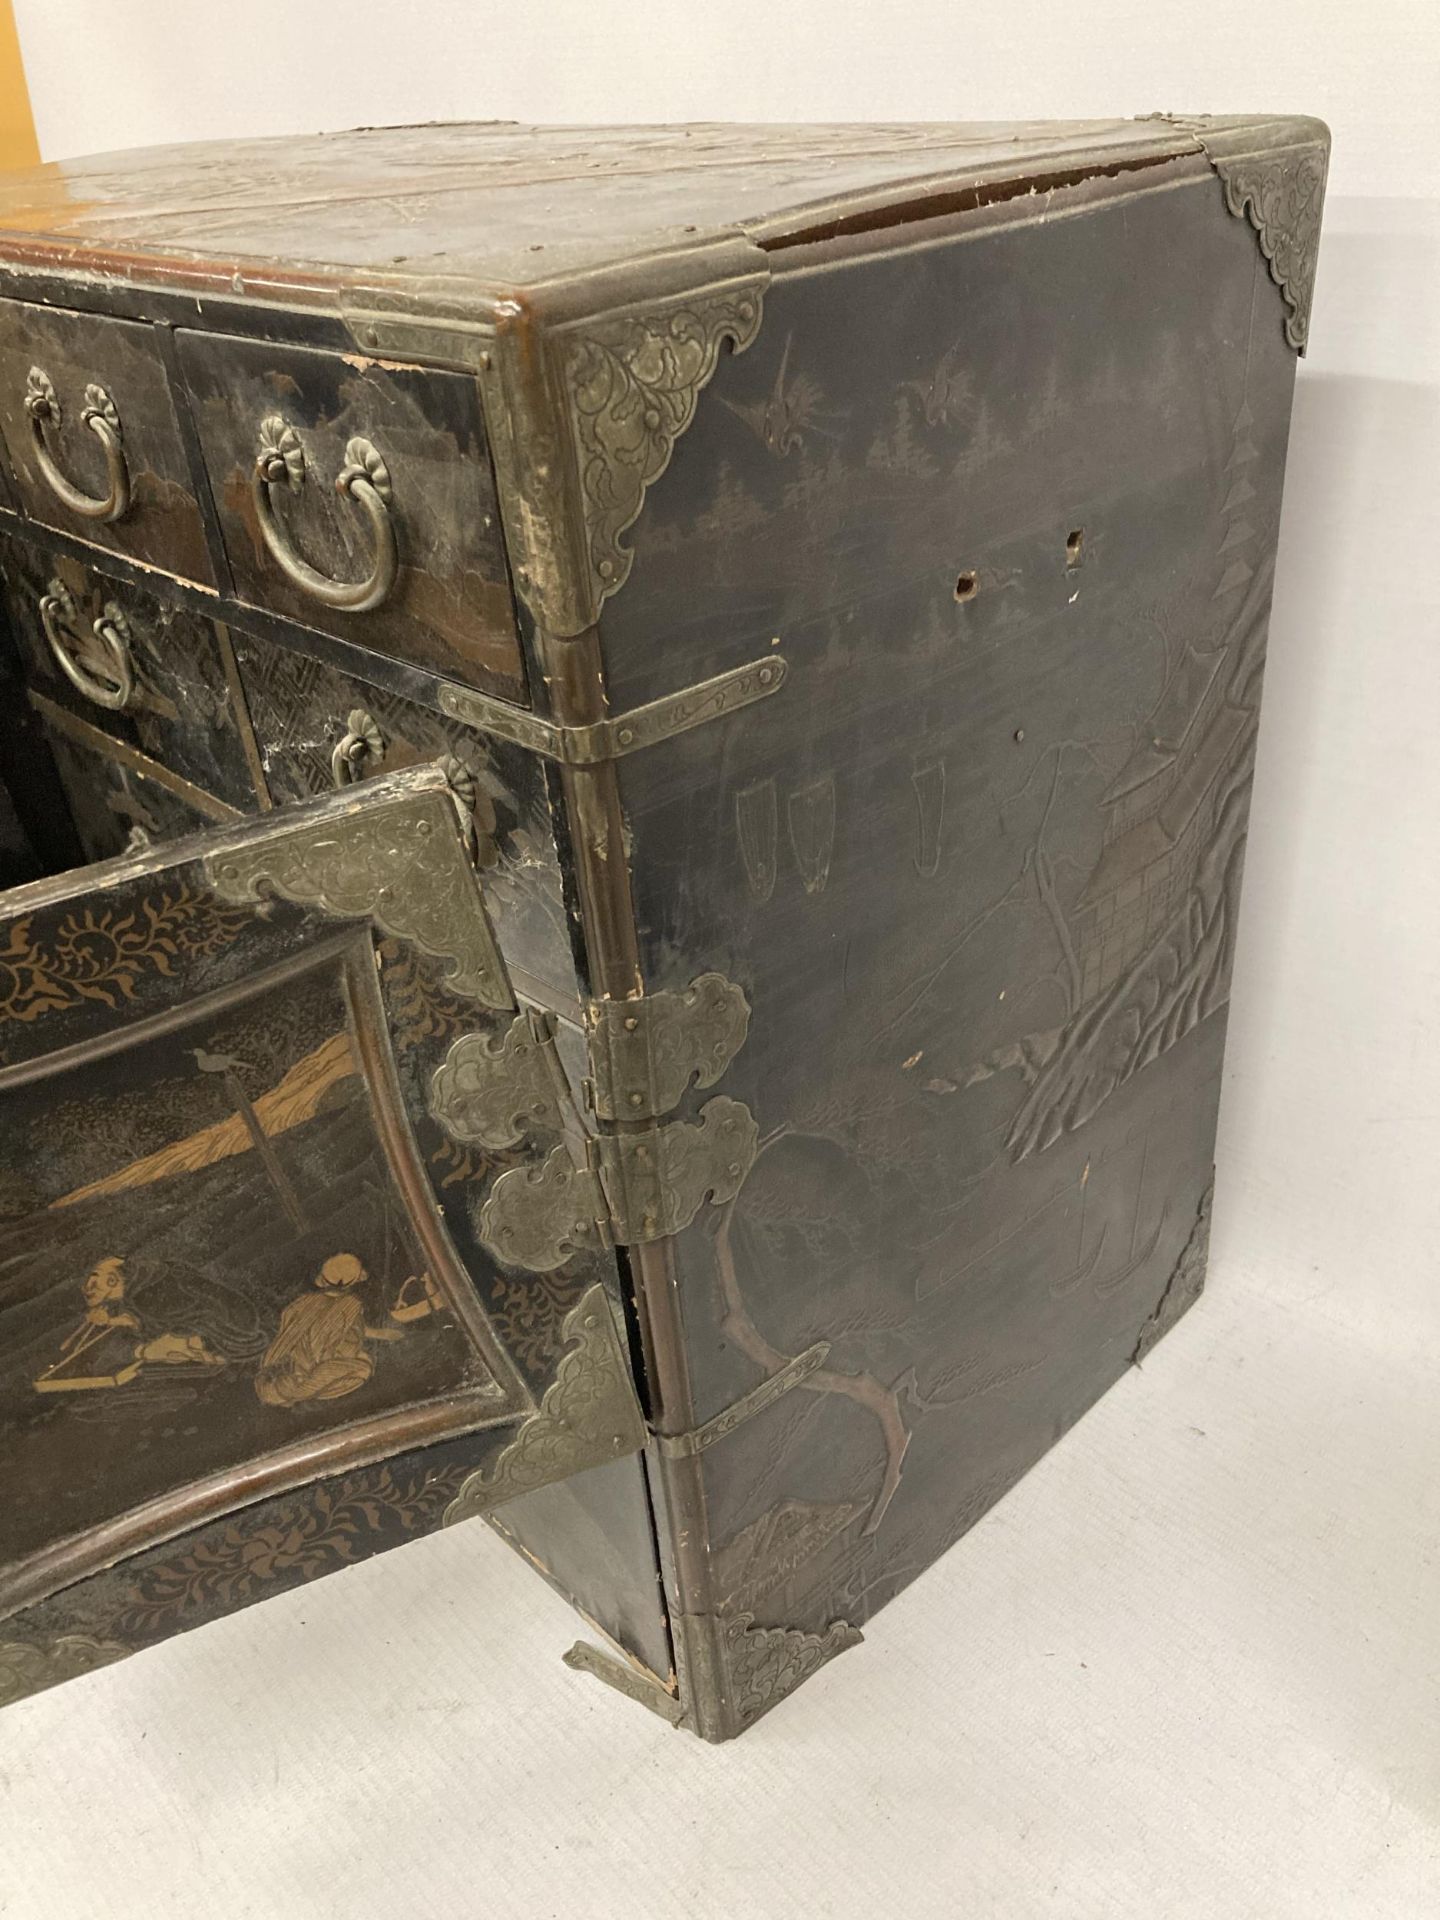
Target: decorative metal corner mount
1280 190
400 864
588 1414
733 1671
1282 195
631 382
632 1188
28 1667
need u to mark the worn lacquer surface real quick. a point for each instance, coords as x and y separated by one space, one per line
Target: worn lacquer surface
450 608
162 524
183 711
115 809
980 431
1010 507
238 1253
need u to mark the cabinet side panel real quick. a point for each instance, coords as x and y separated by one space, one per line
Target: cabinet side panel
593 1539
1008 506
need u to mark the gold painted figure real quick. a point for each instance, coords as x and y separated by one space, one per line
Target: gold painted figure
417 1299
319 1352
111 1340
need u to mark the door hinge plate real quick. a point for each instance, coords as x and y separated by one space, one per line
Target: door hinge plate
645 1053
632 1188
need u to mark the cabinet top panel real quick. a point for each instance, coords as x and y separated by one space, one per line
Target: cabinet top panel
465 214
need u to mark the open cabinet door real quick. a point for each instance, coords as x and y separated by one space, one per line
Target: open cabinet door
255 1089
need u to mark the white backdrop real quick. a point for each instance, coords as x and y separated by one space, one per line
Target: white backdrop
1191 1667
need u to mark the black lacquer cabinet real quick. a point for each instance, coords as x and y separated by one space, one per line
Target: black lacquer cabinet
662 723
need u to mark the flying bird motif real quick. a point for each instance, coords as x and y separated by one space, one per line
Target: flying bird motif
795 407
947 392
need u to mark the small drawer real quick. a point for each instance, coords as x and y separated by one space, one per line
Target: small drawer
149 675
316 728
357 496
93 439
115 808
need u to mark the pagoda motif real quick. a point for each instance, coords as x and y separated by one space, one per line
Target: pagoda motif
1159 808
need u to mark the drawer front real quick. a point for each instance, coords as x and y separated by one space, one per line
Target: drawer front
378 519
92 436
116 809
180 705
302 713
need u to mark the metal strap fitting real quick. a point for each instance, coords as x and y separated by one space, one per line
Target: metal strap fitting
681 1446
630 1188
610 739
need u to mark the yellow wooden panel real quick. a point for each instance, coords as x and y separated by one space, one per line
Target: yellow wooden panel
18 147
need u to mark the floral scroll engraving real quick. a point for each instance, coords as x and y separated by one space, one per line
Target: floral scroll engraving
633 381
403 865
1282 195
589 1414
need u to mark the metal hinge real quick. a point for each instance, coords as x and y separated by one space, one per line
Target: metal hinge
643 1181
498 1089
628 1188
645 1053
610 739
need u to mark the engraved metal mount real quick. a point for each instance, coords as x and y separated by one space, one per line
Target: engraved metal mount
403 865
632 1188
682 1446
733 1671
611 739
632 381
645 1053
497 1090
28 1667
619 1674
1277 183
1282 195
588 1414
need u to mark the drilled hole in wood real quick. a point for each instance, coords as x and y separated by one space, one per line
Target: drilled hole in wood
1074 546
967 585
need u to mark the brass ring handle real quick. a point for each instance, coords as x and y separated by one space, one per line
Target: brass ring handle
362 740
99 414
280 461
58 617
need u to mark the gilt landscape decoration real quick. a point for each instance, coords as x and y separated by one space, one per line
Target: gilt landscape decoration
205 1257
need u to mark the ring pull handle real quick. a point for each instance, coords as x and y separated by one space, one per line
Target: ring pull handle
106 677
99 414
364 477
362 740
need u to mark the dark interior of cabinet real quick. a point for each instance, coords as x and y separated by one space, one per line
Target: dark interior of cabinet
37 829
